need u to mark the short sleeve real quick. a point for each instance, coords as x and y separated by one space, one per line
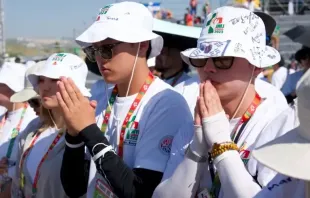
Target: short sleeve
168 118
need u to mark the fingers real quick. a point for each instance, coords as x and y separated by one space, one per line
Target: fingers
211 99
77 91
62 104
69 89
202 106
93 104
65 98
197 117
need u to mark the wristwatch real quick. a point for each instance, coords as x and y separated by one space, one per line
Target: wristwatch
196 158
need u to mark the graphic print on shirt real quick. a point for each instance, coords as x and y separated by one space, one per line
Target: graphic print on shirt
244 153
165 144
132 133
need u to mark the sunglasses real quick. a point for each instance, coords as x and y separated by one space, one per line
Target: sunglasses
104 51
34 103
219 62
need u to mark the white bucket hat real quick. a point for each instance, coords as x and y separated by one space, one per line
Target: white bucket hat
62 64
128 22
28 92
236 32
13 75
290 153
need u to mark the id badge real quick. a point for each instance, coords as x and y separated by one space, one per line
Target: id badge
103 190
204 194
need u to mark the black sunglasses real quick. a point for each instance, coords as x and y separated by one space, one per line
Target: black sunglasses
104 51
219 62
34 103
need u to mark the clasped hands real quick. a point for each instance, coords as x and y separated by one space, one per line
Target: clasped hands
211 123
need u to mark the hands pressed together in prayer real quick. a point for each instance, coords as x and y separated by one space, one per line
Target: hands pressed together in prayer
209 114
78 111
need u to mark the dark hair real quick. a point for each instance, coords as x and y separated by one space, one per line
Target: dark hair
302 54
148 52
17 60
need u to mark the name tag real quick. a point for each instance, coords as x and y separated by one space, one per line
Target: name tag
204 194
102 190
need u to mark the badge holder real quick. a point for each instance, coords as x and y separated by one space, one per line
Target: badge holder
103 190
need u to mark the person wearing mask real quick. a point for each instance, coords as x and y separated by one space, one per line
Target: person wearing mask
41 148
280 74
13 122
28 94
129 140
289 87
228 58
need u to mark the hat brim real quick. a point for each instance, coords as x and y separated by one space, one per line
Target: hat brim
101 30
55 74
24 95
288 155
234 49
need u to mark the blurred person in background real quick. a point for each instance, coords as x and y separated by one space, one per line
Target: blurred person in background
170 67
280 74
193 7
289 87
13 122
41 148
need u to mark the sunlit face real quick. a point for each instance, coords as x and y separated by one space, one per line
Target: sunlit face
118 68
5 94
231 82
47 92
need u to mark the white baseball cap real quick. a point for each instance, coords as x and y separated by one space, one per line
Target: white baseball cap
62 64
13 75
236 32
28 92
290 153
128 22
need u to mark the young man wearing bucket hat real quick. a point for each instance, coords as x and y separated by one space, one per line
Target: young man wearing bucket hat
230 53
14 121
130 139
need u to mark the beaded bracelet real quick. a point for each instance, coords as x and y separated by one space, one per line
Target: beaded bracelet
219 149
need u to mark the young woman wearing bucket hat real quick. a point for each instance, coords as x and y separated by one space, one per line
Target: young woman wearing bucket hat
130 138
13 122
41 148
230 53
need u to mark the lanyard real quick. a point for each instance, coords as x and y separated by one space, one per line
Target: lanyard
134 105
176 78
26 153
15 132
235 135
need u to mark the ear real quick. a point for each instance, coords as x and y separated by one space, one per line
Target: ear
257 71
144 46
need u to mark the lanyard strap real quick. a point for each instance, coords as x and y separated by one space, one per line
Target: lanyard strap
235 135
26 153
15 132
134 105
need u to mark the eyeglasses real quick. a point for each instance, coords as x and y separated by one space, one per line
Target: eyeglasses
219 62
34 103
104 51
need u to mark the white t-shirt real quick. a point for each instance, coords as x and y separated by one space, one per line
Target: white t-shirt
2 111
189 89
39 149
6 131
161 114
279 77
254 134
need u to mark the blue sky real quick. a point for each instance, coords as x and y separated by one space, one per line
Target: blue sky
59 18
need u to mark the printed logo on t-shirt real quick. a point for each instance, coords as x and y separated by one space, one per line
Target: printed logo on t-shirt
275 185
244 153
165 144
132 134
